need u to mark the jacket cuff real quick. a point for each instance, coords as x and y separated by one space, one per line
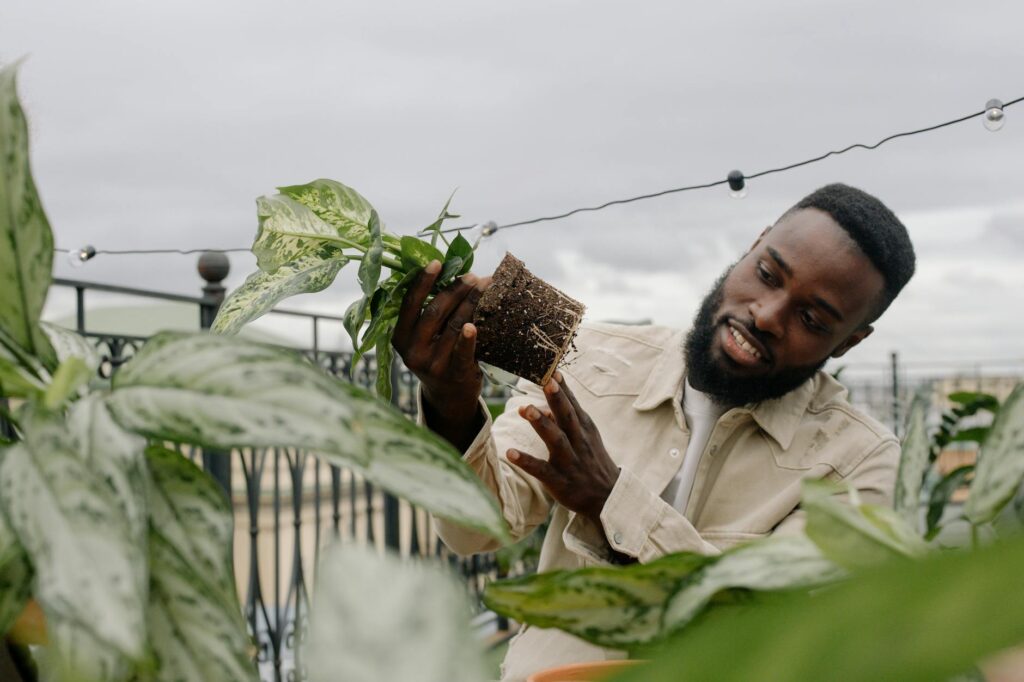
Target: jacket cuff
630 514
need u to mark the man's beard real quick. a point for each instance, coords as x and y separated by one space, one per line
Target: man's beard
710 377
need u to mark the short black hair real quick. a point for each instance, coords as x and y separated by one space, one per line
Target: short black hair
875 229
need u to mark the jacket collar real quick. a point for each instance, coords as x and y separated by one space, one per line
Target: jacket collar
779 418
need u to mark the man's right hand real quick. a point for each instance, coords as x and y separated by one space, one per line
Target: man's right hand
438 345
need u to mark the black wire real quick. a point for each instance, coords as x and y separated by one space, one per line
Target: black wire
614 202
145 251
759 174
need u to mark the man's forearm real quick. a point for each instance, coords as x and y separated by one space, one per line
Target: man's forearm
458 428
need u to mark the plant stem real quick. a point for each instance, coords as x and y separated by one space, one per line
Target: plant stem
975 539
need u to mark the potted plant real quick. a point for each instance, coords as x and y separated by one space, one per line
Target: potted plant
122 542
308 233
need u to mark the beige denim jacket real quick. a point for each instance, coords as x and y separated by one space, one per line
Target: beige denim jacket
629 380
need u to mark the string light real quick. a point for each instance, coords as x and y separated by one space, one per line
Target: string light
993 119
994 115
737 187
78 257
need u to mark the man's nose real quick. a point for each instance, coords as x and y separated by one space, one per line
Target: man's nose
768 314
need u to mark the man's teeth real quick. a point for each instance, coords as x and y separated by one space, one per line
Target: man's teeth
742 343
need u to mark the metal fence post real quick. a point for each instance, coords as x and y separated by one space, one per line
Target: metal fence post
213 268
391 508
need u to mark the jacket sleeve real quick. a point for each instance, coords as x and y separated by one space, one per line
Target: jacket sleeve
638 523
522 499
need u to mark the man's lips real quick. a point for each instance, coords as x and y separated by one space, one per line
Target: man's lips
743 347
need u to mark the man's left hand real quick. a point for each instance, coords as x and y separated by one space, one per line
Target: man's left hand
579 473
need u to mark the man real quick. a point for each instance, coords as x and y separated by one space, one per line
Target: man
651 441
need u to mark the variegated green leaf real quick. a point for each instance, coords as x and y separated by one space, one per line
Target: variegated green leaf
1000 465
913 622
91 576
913 464
15 576
336 204
15 380
768 565
385 356
369 277
384 618
68 343
289 231
616 607
262 291
855 535
71 375
197 633
26 242
117 457
224 393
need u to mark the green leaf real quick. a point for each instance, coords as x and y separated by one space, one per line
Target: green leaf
26 242
336 204
384 618
973 401
449 271
262 291
71 375
418 254
224 393
15 576
196 627
768 565
913 463
91 577
1000 466
855 535
385 354
942 493
15 380
435 227
617 607
369 277
388 302
70 344
976 434
914 622
460 248
289 232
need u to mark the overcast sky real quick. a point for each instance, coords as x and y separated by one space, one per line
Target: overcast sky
156 125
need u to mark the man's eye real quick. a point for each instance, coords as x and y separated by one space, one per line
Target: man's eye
812 323
765 274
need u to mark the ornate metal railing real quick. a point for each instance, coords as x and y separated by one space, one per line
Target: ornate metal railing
289 504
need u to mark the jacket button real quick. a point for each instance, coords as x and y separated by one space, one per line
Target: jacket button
674 452
617 538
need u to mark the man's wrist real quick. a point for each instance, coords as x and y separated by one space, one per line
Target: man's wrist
458 425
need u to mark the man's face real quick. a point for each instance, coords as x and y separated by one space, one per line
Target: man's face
802 294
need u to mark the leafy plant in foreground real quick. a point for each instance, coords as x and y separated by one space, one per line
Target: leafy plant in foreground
308 233
125 544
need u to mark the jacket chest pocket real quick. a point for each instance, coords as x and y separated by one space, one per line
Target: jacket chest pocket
605 373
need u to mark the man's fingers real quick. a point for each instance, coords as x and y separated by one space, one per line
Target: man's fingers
537 468
464 354
449 335
564 409
559 448
409 312
435 315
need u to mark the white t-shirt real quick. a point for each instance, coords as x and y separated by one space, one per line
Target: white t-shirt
700 413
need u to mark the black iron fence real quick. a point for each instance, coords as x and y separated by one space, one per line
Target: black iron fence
289 504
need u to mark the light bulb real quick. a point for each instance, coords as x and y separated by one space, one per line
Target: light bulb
78 257
737 186
994 116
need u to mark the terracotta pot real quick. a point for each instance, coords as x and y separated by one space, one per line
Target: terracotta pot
581 672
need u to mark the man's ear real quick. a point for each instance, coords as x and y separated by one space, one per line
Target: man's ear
759 238
852 340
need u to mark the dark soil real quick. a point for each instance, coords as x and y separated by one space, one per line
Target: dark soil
524 324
